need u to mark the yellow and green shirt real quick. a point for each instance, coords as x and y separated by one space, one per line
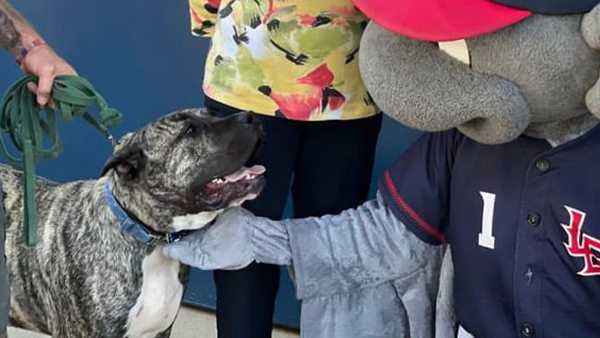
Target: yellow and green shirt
295 59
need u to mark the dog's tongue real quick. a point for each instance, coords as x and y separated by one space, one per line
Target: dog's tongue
255 170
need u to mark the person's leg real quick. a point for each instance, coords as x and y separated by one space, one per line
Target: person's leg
333 172
246 298
4 286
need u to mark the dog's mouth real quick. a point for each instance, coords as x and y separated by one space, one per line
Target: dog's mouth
244 184
244 177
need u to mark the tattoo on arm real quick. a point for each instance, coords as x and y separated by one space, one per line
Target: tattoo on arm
16 33
10 38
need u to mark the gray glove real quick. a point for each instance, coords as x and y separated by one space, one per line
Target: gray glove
236 239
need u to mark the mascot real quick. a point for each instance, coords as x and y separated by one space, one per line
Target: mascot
506 174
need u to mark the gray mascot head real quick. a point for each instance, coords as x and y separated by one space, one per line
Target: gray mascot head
533 67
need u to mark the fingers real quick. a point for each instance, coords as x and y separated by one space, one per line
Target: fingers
42 62
186 254
176 251
46 78
236 212
168 251
32 87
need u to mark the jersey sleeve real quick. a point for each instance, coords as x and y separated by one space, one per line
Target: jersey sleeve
203 15
417 186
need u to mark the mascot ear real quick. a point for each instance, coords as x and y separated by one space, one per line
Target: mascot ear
590 28
127 160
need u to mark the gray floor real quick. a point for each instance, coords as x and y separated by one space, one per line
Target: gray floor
190 323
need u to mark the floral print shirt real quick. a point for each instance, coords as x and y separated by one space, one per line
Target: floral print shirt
295 59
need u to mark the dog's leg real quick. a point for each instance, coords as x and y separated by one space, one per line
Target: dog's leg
159 300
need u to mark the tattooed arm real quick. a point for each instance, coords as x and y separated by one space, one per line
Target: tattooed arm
34 55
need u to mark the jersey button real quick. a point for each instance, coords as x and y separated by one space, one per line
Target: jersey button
542 165
533 218
527 330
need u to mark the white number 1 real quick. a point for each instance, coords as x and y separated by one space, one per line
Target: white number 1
486 238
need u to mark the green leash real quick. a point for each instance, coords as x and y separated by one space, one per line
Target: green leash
31 126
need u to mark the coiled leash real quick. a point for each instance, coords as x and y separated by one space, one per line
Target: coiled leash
24 121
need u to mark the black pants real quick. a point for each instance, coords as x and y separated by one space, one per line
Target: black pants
328 165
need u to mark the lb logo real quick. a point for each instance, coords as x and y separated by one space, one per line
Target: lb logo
580 244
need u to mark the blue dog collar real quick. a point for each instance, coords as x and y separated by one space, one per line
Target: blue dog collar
134 228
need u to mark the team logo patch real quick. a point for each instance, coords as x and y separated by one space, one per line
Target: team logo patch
580 244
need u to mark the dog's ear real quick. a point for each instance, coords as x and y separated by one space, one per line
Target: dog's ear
126 161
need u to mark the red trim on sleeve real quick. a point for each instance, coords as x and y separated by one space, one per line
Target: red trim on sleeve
428 228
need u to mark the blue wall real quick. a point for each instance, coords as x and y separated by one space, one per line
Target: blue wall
141 57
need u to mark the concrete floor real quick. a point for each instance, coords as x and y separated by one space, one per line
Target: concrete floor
190 323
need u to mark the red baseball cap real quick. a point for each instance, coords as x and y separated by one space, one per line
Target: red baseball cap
441 20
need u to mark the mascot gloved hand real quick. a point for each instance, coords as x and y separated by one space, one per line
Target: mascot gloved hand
506 174
248 239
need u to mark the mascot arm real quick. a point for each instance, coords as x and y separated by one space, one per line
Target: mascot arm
363 274
375 312
358 248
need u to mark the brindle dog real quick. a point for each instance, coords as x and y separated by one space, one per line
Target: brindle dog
86 277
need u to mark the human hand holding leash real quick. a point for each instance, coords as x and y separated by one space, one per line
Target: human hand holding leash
236 239
31 52
43 62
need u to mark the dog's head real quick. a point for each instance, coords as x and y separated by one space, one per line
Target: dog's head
188 162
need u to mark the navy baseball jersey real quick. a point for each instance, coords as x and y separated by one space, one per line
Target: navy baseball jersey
523 221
